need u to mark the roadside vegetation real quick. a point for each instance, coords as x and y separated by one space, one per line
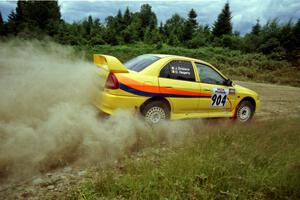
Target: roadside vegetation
253 161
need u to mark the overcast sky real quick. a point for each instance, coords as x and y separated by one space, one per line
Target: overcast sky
244 12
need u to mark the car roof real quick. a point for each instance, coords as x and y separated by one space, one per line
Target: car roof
176 56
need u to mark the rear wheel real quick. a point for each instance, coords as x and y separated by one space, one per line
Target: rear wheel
155 111
245 111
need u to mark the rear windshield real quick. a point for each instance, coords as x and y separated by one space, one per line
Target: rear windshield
141 62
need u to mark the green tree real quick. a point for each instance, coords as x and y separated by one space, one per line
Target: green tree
35 16
127 17
190 26
251 43
46 15
111 34
287 39
119 22
231 42
256 28
11 23
252 40
132 27
192 18
119 17
296 33
1 25
223 24
22 15
200 38
148 17
97 33
133 30
87 26
152 36
174 29
269 38
90 31
161 28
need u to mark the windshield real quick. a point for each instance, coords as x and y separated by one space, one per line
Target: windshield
141 62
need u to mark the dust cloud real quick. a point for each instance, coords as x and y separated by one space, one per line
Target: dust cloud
47 119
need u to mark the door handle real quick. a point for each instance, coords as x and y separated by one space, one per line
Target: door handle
207 90
169 87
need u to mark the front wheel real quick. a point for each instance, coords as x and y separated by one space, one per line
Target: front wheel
155 111
245 111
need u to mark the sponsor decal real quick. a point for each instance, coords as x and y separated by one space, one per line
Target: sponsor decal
231 91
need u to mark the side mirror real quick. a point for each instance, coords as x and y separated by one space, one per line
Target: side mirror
228 82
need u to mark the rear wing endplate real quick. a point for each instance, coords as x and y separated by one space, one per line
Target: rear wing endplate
110 63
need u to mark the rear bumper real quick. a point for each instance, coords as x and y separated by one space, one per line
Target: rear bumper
108 103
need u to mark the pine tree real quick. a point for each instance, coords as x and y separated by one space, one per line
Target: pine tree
147 16
286 38
87 26
256 28
161 28
223 24
127 17
119 17
21 15
35 15
147 19
111 33
54 18
296 32
96 33
174 29
11 23
44 13
190 25
192 18
1 25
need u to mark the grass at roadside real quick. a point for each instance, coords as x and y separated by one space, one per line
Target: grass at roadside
259 160
232 63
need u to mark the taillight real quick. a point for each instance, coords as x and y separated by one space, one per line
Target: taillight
112 82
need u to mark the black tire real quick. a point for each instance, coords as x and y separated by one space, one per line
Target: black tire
245 112
155 111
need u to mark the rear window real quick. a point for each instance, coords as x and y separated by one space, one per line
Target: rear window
141 62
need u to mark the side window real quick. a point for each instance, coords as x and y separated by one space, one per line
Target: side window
209 75
178 69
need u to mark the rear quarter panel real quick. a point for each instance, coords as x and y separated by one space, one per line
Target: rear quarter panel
137 84
130 95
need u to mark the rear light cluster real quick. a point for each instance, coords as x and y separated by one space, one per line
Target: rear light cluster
112 82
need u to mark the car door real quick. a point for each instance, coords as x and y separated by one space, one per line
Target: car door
177 82
222 96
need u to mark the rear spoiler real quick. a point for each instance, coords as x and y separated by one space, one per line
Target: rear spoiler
110 63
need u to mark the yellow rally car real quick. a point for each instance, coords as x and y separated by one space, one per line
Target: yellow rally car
171 87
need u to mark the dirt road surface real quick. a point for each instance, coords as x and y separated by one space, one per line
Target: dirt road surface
276 100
